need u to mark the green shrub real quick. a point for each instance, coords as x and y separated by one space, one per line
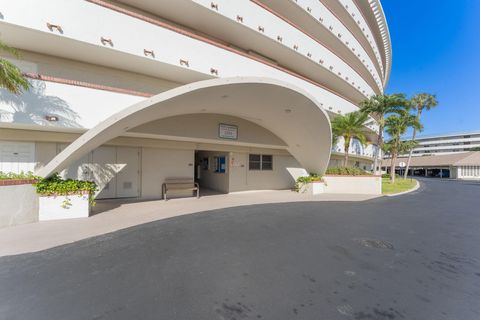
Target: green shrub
347 171
387 175
301 181
56 186
18 176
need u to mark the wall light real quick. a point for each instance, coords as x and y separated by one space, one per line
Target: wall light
51 118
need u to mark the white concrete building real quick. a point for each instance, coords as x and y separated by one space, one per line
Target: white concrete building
236 94
447 143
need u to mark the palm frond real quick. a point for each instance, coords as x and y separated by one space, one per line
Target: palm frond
11 78
424 101
6 48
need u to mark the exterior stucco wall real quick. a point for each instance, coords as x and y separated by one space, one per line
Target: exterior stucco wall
206 126
32 62
160 164
75 106
353 185
44 152
18 205
285 171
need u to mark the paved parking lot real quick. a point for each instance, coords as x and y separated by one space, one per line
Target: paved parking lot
415 256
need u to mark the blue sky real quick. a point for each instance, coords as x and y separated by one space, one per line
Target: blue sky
436 49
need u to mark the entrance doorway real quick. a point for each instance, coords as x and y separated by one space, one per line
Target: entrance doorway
212 170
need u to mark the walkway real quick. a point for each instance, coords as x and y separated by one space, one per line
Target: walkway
121 214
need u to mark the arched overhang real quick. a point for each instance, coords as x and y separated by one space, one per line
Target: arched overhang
285 110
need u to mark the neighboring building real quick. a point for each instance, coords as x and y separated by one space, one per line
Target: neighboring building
465 165
447 143
238 94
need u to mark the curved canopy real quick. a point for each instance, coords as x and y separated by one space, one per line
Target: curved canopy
288 112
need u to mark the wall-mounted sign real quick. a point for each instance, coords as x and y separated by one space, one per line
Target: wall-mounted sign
227 131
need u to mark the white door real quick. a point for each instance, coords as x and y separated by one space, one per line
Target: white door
17 156
238 171
115 170
128 160
103 170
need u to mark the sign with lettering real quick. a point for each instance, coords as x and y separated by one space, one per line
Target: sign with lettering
227 131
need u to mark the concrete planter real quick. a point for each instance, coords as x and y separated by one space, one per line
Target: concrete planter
353 184
63 207
313 188
18 203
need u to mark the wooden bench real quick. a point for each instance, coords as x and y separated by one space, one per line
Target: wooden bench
179 184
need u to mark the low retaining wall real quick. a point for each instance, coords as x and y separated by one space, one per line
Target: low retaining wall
18 202
353 184
64 207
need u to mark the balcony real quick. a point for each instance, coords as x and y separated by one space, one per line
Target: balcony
126 42
251 28
316 19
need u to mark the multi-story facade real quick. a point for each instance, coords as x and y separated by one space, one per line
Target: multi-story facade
238 94
447 143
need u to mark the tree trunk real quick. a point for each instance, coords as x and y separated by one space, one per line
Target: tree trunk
419 113
392 167
346 147
379 147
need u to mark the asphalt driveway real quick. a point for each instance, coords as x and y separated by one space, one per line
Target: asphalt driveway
415 256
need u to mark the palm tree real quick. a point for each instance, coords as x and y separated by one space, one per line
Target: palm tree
396 126
349 126
421 101
380 106
11 78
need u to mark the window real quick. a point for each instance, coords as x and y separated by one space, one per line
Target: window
254 162
260 162
267 162
219 164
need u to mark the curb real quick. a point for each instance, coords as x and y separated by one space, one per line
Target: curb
404 192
